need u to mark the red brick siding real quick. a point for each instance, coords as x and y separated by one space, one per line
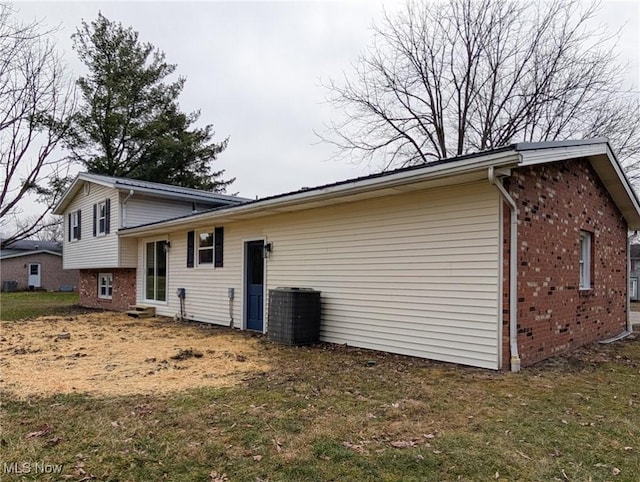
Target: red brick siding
555 202
52 276
124 288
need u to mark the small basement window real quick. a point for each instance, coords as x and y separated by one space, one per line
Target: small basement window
105 286
585 260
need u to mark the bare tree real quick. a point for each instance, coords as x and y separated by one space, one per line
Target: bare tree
50 228
446 77
36 98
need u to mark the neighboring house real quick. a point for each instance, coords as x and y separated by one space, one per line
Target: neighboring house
96 207
28 264
494 259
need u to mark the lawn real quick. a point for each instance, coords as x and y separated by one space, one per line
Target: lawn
245 409
15 306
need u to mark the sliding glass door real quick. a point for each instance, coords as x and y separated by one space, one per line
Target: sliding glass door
156 269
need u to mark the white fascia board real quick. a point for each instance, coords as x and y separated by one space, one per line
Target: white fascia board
562 153
175 195
74 188
595 151
300 198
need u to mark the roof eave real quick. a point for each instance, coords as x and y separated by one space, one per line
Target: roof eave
27 253
181 196
337 193
602 158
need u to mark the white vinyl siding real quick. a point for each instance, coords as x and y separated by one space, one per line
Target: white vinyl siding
109 251
415 274
140 209
91 251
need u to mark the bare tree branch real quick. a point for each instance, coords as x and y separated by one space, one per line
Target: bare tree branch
447 77
36 99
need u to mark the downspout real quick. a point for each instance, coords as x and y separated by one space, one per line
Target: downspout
629 328
124 208
629 323
513 271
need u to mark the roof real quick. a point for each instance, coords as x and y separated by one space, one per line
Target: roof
149 188
466 168
26 247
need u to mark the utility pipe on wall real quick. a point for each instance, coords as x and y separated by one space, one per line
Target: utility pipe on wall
513 271
629 323
123 221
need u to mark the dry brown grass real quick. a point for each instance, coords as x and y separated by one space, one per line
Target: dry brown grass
112 354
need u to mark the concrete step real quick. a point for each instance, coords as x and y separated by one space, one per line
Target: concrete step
141 311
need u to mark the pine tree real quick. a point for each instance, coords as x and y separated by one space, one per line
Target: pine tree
129 123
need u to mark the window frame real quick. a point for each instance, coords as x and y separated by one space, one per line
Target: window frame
585 247
105 280
101 218
75 225
200 249
158 278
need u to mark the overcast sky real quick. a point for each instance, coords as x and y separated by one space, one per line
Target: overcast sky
254 69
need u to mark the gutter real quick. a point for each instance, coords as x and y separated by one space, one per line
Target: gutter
629 323
513 270
282 202
629 328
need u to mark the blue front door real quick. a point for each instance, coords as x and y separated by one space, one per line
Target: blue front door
254 263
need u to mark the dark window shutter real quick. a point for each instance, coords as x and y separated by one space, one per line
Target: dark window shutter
190 248
70 227
95 218
107 221
218 250
79 223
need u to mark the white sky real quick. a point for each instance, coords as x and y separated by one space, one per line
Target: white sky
254 69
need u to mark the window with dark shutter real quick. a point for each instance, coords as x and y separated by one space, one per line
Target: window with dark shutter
107 222
77 235
74 226
219 241
95 219
190 248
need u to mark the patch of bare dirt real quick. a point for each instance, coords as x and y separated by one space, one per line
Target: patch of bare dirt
113 354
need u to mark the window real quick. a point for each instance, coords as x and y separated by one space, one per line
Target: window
585 260
105 286
205 248
101 217
74 225
156 271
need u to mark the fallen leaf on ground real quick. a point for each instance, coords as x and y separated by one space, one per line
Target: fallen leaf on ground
44 430
403 444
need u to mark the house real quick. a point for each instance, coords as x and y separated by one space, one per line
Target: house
497 259
96 208
29 264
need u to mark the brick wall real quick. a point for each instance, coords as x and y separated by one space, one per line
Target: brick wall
124 288
52 276
555 202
